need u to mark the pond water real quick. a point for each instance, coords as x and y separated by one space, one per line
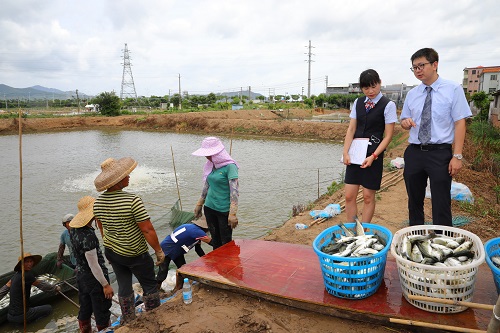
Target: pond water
59 168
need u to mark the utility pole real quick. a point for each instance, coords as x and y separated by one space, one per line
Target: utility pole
78 101
180 95
128 86
249 89
309 54
326 84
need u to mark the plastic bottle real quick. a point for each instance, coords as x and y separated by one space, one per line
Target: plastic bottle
300 226
187 292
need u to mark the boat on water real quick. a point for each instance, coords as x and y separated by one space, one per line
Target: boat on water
46 270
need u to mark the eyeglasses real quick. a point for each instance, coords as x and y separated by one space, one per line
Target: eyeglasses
419 66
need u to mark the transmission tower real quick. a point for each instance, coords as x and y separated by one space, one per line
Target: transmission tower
128 87
309 54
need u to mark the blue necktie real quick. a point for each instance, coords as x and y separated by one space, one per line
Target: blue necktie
424 133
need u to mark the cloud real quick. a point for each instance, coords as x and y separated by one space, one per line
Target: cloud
223 45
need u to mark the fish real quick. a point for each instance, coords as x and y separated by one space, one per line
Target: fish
421 238
405 248
365 252
452 262
444 249
350 249
465 246
346 231
448 242
496 260
416 255
427 250
364 244
360 231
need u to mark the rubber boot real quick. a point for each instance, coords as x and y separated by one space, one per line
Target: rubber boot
151 301
102 328
128 308
85 326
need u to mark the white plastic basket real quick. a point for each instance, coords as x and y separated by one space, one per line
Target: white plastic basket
451 283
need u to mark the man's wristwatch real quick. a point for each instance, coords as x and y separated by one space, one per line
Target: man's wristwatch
458 156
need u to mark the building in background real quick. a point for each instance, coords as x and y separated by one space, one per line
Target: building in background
489 80
472 79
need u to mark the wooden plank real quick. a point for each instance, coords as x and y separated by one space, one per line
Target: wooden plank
290 274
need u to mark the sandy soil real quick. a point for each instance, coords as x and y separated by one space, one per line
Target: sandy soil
215 310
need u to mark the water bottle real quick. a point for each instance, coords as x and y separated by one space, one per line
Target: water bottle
187 292
300 226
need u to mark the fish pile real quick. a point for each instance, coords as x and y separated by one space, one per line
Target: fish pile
436 250
356 244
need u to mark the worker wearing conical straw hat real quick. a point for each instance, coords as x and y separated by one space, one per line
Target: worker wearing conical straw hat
127 230
95 292
14 286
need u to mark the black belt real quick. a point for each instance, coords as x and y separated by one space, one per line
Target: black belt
432 146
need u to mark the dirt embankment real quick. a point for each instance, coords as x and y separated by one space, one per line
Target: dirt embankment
253 122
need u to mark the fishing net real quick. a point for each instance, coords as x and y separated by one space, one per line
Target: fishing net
457 221
178 217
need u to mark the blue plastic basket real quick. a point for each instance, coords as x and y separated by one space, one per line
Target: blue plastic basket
492 248
352 277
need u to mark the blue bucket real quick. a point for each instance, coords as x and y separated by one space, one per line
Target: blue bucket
492 248
356 277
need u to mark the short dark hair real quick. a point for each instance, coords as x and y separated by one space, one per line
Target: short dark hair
430 54
368 78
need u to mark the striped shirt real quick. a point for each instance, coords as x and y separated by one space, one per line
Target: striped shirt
119 213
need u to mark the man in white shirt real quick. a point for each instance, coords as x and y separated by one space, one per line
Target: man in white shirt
434 112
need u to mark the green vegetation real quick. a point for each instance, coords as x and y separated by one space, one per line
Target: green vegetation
109 103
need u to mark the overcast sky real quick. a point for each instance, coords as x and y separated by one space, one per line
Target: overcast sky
223 45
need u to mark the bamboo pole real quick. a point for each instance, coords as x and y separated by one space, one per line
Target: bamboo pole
436 326
176 182
451 302
21 213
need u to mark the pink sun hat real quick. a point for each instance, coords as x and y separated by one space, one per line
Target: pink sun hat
209 147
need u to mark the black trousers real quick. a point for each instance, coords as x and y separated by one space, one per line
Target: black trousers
141 266
92 300
220 231
431 164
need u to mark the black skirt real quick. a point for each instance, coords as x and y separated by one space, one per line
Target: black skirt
369 178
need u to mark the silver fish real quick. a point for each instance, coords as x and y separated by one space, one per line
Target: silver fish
444 249
421 238
350 249
452 262
452 244
416 255
347 232
465 246
360 231
496 260
365 252
405 247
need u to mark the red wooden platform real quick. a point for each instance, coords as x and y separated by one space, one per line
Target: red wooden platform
290 274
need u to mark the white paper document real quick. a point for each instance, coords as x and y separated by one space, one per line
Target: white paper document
357 151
